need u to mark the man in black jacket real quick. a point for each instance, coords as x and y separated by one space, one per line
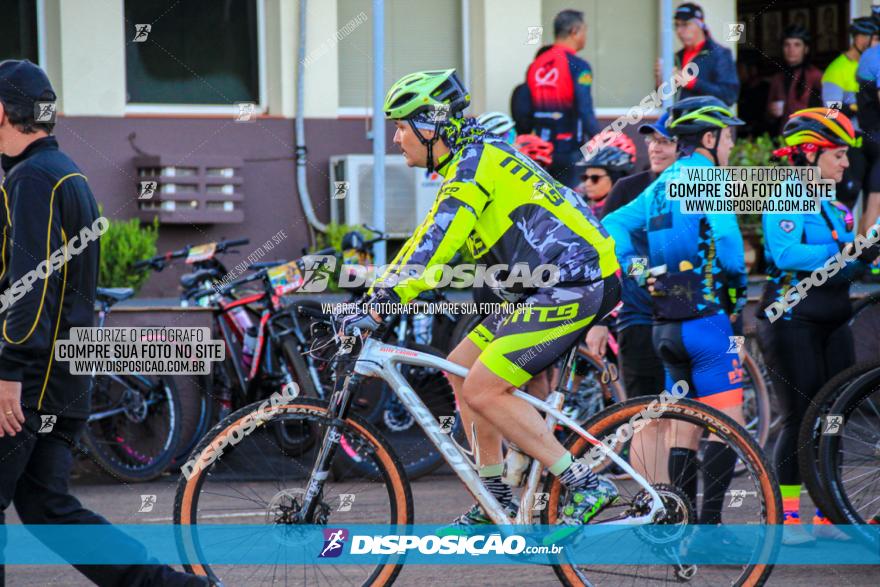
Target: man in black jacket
48 275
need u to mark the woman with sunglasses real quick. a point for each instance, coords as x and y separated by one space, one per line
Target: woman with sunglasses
808 342
604 168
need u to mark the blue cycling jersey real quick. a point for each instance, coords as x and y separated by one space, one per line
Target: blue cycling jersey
710 243
797 244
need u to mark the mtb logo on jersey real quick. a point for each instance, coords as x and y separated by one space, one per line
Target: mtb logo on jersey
544 313
334 541
517 167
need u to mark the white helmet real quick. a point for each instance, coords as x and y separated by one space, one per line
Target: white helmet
497 123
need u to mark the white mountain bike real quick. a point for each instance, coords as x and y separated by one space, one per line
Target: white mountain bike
256 482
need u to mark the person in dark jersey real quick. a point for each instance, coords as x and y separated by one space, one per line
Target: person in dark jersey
560 86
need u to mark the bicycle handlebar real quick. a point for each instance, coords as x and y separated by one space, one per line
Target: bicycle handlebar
159 262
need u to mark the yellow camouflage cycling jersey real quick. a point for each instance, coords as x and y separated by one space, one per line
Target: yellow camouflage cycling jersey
509 211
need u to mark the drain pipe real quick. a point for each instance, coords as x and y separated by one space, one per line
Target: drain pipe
379 127
667 52
302 187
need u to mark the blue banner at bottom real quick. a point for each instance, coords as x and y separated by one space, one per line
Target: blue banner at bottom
431 544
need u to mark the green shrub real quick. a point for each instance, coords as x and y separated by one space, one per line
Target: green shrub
334 234
124 243
756 152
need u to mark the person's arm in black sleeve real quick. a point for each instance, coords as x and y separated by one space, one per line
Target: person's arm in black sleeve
36 232
582 77
726 83
521 109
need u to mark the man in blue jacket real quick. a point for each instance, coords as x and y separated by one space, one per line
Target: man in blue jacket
560 84
717 72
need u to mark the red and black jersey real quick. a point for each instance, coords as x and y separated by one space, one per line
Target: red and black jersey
560 85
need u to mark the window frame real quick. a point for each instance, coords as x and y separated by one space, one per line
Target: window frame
219 110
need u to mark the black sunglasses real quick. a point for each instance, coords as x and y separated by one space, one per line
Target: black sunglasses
595 178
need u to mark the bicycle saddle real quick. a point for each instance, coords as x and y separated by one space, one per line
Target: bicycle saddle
189 280
114 294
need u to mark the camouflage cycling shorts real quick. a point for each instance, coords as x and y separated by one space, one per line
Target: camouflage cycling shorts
519 343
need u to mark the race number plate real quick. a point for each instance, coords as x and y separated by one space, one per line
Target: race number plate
285 278
201 253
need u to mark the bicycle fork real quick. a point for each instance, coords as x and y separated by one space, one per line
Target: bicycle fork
337 411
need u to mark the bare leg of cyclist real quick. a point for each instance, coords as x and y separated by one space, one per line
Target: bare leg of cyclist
490 398
539 386
649 453
465 354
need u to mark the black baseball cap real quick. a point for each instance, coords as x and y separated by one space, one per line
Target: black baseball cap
689 11
23 83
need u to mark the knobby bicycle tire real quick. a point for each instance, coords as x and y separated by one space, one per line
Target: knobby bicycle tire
841 508
687 410
188 490
809 434
113 458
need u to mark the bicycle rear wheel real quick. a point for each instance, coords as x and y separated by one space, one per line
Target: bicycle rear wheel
759 499
253 480
134 426
848 458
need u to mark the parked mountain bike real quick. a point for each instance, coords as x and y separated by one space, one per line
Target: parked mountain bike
204 260
202 409
300 490
134 425
839 461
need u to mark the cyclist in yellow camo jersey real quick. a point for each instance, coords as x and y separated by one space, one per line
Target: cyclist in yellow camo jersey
508 210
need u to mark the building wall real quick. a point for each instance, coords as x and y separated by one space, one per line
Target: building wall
103 150
84 47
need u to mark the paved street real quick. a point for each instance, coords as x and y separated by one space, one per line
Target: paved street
436 498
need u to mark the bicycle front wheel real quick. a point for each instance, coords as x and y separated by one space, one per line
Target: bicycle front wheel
751 498
254 480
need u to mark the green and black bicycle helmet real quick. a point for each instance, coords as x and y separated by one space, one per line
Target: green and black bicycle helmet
690 118
699 114
425 91
427 99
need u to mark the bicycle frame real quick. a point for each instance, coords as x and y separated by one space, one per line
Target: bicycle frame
378 359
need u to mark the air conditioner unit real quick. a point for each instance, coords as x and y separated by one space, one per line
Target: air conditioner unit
409 193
